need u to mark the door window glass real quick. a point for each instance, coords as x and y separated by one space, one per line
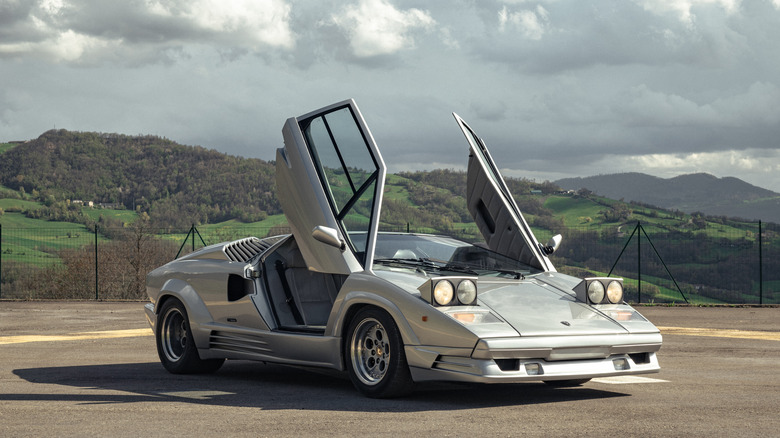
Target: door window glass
347 170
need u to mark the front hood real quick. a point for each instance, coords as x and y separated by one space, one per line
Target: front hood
534 308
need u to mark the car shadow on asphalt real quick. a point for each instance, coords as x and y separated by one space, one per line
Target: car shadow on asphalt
267 386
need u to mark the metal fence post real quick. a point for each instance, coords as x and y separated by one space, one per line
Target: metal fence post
662 262
639 264
760 266
186 238
1 260
194 232
96 263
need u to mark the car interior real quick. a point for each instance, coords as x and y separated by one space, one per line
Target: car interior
301 299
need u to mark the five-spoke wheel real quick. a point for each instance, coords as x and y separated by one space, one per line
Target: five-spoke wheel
175 344
370 351
375 356
173 334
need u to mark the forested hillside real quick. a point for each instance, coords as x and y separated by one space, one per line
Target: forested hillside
442 193
175 185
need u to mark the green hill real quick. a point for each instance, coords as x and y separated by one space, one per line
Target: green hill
47 184
176 185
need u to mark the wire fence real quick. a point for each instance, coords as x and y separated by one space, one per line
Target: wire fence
711 265
714 265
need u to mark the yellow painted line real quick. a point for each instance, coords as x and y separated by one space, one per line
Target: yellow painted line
196 395
721 333
626 380
131 333
108 334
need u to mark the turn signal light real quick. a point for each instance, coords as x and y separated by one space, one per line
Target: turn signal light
620 364
533 369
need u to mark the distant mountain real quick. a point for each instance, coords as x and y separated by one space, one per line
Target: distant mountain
698 192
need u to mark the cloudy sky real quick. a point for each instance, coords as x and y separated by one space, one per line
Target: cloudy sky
556 88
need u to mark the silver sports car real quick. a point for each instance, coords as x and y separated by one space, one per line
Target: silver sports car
391 309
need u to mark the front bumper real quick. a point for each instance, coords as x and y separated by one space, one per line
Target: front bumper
521 359
460 369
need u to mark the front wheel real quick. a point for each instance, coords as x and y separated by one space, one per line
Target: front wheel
375 356
175 344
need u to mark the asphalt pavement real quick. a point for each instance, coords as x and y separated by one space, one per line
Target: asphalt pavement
91 369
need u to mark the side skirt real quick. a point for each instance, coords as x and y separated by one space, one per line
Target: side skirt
278 347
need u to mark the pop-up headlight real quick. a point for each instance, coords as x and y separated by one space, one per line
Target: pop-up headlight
443 293
600 290
467 292
450 291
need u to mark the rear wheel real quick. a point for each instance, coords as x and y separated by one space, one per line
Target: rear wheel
375 356
175 344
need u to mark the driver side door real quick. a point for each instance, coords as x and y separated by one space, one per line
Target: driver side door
330 174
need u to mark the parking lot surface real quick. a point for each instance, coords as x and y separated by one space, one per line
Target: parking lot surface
91 369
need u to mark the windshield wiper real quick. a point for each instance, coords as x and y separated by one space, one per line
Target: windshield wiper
435 264
517 274
441 265
459 268
421 262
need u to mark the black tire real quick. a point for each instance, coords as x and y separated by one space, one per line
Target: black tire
374 355
566 383
175 344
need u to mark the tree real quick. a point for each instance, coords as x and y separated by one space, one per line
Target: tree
584 193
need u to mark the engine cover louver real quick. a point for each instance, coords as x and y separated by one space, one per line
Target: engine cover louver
244 249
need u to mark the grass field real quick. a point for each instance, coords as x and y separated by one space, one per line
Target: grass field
126 216
575 212
5 192
6 146
395 189
36 241
666 292
232 230
17 205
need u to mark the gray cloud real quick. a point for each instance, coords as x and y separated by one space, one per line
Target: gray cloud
556 88
94 32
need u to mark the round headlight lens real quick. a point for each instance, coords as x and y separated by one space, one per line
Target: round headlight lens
467 292
615 292
596 292
443 293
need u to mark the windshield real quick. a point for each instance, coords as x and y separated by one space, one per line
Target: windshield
439 253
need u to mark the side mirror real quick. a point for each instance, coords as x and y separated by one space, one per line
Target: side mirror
552 244
328 236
